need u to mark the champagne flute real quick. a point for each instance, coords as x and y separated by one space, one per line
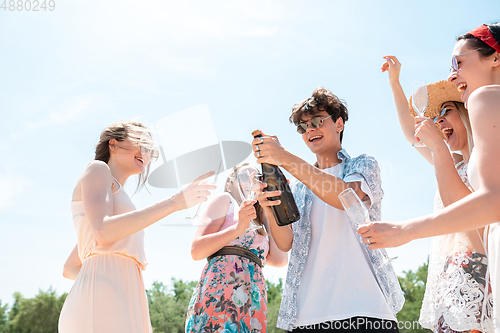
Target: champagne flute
358 213
244 179
195 221
420 102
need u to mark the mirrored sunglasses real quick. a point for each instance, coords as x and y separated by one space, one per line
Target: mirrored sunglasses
454 62
443 112
315 122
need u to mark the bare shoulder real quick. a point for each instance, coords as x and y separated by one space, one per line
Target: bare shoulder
96 171
218 205
97 165
484 112
486 90
485 99
220 201
214 213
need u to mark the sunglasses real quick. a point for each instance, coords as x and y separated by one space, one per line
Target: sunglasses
152 152
146 147
454 63
315 122
443 112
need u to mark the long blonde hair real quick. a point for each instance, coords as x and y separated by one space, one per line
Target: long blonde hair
464 115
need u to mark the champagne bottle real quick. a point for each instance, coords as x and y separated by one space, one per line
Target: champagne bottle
286 212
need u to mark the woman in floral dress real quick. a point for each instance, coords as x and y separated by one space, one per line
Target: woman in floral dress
231 293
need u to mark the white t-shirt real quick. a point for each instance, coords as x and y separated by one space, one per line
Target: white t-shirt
337 282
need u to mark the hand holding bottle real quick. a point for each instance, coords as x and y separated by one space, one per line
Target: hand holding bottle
267 149
262 196
286 212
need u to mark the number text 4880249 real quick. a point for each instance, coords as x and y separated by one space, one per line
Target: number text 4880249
28 5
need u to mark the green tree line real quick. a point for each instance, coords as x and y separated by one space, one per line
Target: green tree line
168 305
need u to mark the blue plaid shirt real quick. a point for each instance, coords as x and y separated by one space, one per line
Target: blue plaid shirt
363 165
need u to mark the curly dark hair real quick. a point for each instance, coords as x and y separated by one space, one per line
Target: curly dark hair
322 99
484 49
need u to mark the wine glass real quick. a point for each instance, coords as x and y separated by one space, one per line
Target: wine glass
358 213
420 102
245 181
195 221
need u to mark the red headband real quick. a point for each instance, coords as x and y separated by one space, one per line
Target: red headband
483 33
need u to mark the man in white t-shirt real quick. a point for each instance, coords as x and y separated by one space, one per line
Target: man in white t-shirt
330 283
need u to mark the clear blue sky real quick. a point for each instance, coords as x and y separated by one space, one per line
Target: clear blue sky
68 73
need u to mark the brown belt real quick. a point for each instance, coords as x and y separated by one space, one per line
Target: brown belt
237 251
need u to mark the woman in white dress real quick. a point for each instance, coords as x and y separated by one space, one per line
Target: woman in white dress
476 74
455 298
108 294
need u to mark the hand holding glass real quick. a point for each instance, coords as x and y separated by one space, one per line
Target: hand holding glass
358 213
245 182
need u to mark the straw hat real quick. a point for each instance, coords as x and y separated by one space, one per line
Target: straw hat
439 92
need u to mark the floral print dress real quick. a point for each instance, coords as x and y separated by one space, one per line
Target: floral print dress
231 294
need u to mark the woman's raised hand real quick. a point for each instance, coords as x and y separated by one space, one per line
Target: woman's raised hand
194 193
393 67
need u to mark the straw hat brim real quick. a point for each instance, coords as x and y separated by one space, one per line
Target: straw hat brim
439 93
